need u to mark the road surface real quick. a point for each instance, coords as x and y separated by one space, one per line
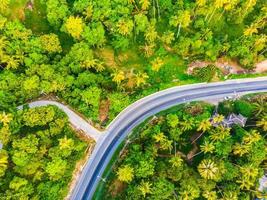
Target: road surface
136 113
133 115
74 119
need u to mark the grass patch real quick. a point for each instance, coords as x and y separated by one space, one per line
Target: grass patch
36 18
16 10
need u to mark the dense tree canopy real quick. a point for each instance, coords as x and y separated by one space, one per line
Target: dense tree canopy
99 56
39 147
168 158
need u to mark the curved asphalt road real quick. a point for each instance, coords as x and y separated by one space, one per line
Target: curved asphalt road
133 115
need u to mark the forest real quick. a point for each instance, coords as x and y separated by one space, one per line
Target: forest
187 153
39 154
99 57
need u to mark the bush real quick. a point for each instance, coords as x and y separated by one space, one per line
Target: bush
205 74
225 108
243 107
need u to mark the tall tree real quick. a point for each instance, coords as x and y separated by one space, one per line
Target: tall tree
125 173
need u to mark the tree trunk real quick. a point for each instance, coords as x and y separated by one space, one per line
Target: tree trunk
154 9
212 15
178 31
158 8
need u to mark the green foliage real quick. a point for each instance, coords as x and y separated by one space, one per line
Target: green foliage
39 155
243 107
206 74
205 161
89 52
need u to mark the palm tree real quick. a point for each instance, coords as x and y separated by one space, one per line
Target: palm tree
157 64
219 133
145 188
141 78
176 161
125 27
148 49
159 137
187 124
207 147
210 195
5 118
118 77
125 173
249 174
250 30
204 125
151 33
182 19
144 4
3 162
4 5
260 106
262 123
239 149
218 119
66 143
208 169
3 42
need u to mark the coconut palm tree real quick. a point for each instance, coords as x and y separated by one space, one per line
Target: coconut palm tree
260 106
118 77
207 147
141 79
218 119
187 123
204 125
219 133
5 118
176 161
208 169
182 19
4 5
262 123
125 173
145 188
240 149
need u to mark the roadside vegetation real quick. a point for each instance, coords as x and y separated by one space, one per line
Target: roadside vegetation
38 154
100 56
187 153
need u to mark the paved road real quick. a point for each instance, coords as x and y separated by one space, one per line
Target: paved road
132 116
74 119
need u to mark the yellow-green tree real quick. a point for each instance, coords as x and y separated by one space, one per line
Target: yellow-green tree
157 64
208 169
3 162
125 173
263 123
125 26
118 77
145 188
4 5
181 20
50 43
74 26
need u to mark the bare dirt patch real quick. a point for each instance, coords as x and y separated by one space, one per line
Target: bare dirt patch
107 55
116 187
228 66
261 67
104 110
